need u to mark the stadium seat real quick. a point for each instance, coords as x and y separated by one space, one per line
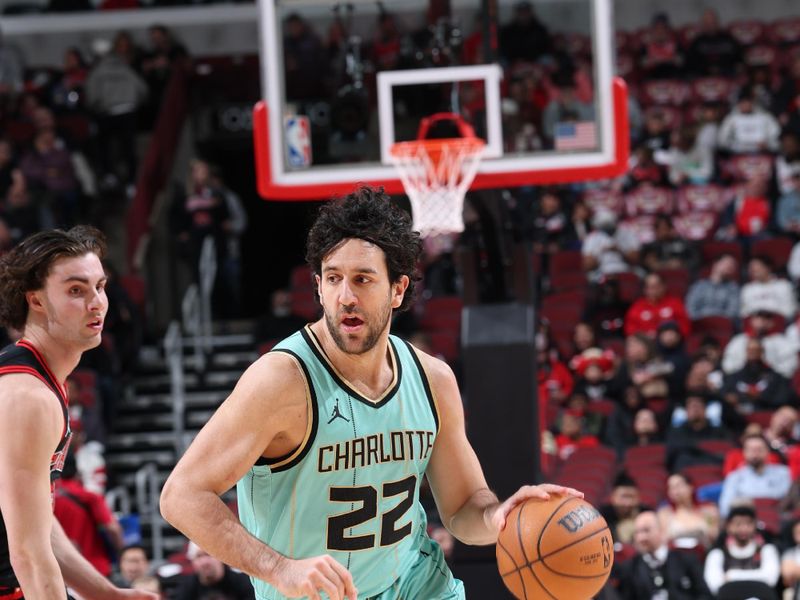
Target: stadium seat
762 417
719 447
673 116
785 31
747 32
676 281
566 260
301 278
630 286
695 226
712 89
305 304
710 198
564 281
761 55
721 328
712 249
601 407
642 227
667 92
442 313
596 198
749 166
641 456
701 475
445 343
776 249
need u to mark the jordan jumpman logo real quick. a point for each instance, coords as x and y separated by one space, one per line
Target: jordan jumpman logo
336 414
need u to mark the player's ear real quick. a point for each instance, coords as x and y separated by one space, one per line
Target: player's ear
399 288
318 281
34 300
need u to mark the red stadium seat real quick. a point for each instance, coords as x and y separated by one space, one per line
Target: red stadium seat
668 92
712 89
695 226
642 227
702 198
566 260
762 417
646 456
445 343
747 32
712 249
630 286
301 278
563 281
442 313
672 116
701 475
649 200
776 249
719 327
596 198
760 56
676 281
785 31
750 166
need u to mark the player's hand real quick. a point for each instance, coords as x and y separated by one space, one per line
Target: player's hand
310 576
542 492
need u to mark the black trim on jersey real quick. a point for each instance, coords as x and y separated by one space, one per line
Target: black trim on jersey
425 383
262 461
325 361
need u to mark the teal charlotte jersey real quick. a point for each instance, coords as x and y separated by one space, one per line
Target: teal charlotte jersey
351 489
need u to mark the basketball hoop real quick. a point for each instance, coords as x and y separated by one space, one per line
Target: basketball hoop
436 174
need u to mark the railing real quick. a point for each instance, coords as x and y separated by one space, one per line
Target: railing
192 319
173 353
119 500
147 493
196 307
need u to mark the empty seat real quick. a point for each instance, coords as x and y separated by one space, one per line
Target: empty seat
654 454
720 328
711 249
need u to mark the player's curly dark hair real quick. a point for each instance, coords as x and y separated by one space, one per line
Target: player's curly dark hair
368 214
26 266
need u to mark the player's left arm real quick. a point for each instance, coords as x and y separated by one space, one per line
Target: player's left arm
467 507
81 576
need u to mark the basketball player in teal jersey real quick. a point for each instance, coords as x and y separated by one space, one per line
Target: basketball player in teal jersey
330 434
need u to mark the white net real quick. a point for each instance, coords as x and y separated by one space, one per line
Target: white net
436 175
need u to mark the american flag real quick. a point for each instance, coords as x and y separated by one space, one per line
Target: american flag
581 135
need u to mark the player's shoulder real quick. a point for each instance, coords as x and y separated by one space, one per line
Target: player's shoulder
24 390
26 401
440 375
275 377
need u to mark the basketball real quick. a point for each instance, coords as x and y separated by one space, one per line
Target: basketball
559 548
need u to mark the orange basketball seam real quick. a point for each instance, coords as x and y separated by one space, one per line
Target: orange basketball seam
539 581
552 570
546 523
549 554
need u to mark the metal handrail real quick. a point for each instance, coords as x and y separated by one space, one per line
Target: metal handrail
192 318
173 352
208 274
119 496
147 493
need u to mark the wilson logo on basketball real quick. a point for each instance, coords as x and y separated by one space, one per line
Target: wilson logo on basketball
574 520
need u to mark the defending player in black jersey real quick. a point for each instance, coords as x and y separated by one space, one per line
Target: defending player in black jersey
52 288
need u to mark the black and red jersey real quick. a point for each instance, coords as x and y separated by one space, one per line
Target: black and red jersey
22 357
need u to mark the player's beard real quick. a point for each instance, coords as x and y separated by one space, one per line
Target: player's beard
374 328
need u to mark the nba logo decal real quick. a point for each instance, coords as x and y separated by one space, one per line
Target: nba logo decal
298 141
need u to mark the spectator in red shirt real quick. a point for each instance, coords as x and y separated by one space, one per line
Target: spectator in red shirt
655 308
86 519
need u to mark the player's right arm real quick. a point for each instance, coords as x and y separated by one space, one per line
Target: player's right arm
266 414
31 424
